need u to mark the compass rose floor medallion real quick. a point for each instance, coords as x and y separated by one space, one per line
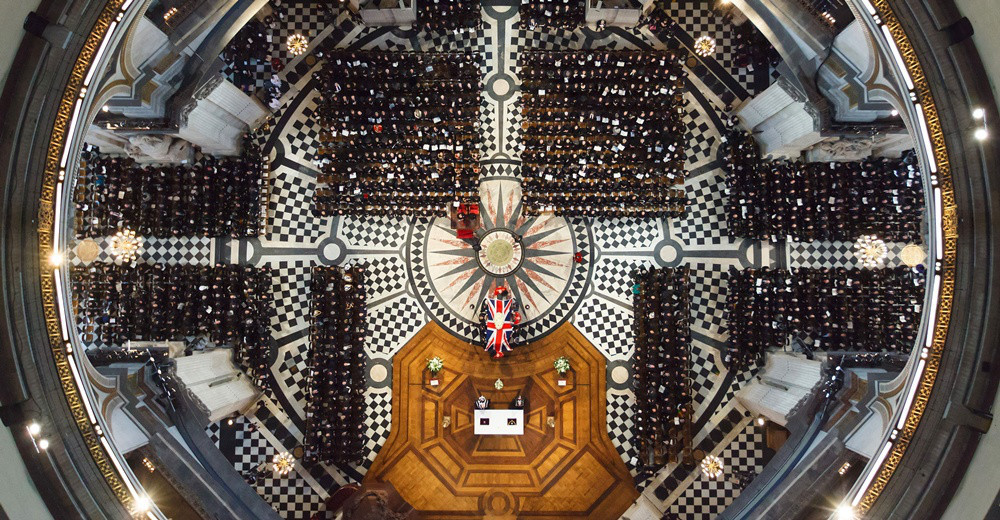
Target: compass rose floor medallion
533 256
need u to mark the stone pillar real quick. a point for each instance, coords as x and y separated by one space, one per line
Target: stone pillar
217 385
218 116
782 119
786 381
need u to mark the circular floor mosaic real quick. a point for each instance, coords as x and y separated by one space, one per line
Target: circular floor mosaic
533 256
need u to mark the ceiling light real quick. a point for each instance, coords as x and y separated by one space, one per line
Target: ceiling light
34 428
43 444
704 46
871 251
979 113
56 258
712 467
142 504
846 512
894 112
761 421
283 463
981 134
125 245
297 44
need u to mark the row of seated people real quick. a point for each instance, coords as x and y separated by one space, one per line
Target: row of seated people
212 198
229 304
335 413
448 15
400 132
661 299
565 14
821 201
834 309
603 132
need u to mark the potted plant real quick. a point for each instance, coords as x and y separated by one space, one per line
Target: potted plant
434 365
562 366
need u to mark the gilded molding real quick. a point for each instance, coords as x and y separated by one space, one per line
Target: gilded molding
46 213
949 254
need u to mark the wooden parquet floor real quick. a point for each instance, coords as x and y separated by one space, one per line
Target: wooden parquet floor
568 470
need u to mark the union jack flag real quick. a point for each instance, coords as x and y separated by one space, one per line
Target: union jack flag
499 317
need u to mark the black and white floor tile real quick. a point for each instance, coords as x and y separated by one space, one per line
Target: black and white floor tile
705 498
406 274
835 254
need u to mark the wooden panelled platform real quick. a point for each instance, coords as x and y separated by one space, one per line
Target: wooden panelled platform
570 470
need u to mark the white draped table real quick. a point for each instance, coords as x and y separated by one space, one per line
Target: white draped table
498 422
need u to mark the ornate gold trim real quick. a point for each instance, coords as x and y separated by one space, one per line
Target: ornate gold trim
46 214
949 254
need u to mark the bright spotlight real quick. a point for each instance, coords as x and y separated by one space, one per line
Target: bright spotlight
846 512
56 258
981 134
979 113
34 428
143 504
43 444
894 112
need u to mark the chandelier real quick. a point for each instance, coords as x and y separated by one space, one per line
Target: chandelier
297 44
283 463
125 245
704 46
871 251
711 467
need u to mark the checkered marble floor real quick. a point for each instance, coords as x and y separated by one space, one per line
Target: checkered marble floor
594 295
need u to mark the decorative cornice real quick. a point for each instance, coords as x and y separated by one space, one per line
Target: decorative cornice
46 213
948 256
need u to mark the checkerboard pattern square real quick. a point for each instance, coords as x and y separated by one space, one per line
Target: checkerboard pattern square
835 254
378 419
708 296
251 449
368 232
289 211
697 18
391 325
173 251
620 411
465 40
384 276
293 372
700 133
305 18
607 326
742 378
626 233
704 499
291 496
547 38
613 276
704 223
703 375
290 294
303 137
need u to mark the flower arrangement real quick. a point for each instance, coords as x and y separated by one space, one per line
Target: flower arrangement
498 384
434 365
562 365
